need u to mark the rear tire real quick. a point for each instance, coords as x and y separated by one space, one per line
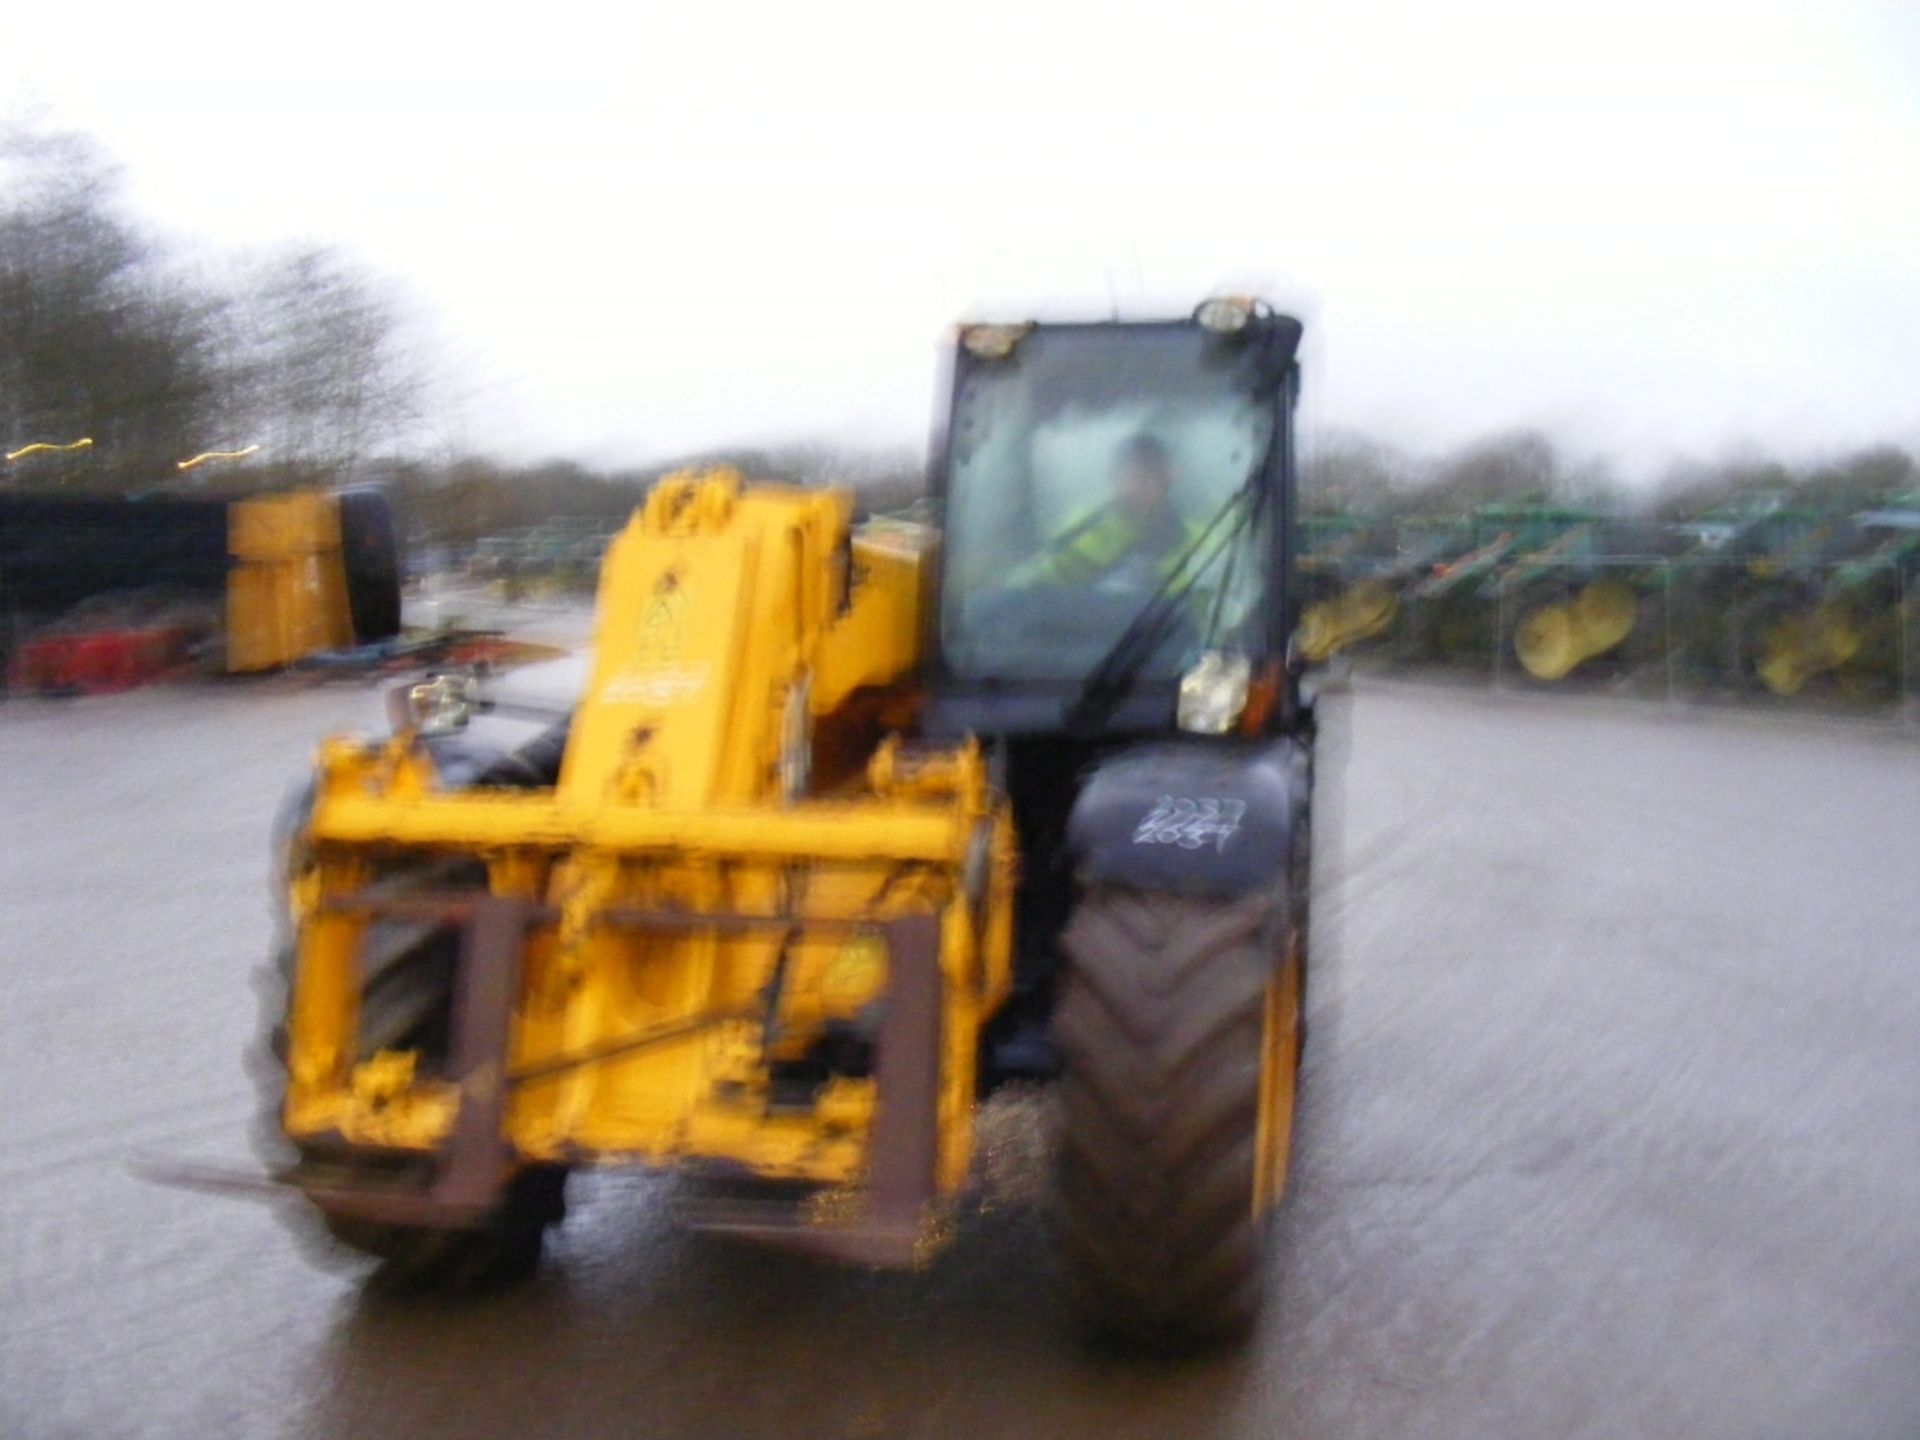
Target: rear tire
1162 1025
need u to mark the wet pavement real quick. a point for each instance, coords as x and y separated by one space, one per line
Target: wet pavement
1611 1126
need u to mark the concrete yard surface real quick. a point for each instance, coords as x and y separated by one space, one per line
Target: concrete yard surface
1610 1125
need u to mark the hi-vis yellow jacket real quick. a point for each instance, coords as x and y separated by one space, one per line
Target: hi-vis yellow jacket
1101 540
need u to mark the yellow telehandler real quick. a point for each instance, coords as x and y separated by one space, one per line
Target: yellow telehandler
851 824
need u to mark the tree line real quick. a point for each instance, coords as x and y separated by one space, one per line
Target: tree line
458 502
156 353
1352 474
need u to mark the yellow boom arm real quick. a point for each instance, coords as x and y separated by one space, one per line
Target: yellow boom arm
736 862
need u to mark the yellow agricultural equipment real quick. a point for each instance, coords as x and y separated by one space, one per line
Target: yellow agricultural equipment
309 571
851 824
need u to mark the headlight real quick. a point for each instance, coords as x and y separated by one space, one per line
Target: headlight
439 705
1213 693
992 342
1226 315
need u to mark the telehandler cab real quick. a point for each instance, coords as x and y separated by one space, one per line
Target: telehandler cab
851 824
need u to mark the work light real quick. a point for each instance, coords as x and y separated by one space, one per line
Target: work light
1213 693
439 705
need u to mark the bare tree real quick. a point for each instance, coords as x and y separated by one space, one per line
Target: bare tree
98 335
1353 474
322 374
1522 466
107 335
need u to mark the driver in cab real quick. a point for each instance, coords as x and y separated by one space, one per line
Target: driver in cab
1139 534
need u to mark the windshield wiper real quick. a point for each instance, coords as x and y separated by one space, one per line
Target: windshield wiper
1110 680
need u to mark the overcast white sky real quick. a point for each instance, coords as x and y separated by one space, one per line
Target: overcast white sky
645 228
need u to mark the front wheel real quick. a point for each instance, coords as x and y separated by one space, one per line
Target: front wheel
1178 1025
503 1249
406 1004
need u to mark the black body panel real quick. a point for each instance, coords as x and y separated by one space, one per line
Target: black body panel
993 711
57 550
1193 817
370 556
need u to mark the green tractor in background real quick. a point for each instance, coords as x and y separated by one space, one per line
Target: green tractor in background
1848 610
1352 573
1763 593
1581 597
1506 563
1746 598
1550 588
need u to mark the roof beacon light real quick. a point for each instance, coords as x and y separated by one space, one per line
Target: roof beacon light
1224 315
992 342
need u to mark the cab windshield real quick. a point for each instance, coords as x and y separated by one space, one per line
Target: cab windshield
1089 470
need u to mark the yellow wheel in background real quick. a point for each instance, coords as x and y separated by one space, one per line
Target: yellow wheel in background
1355 614
1546 642
1606 611
1553 640
1318 634
1800 647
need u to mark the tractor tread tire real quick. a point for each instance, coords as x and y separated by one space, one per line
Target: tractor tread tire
504 1250
405 1002
413 1259
1161 1025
